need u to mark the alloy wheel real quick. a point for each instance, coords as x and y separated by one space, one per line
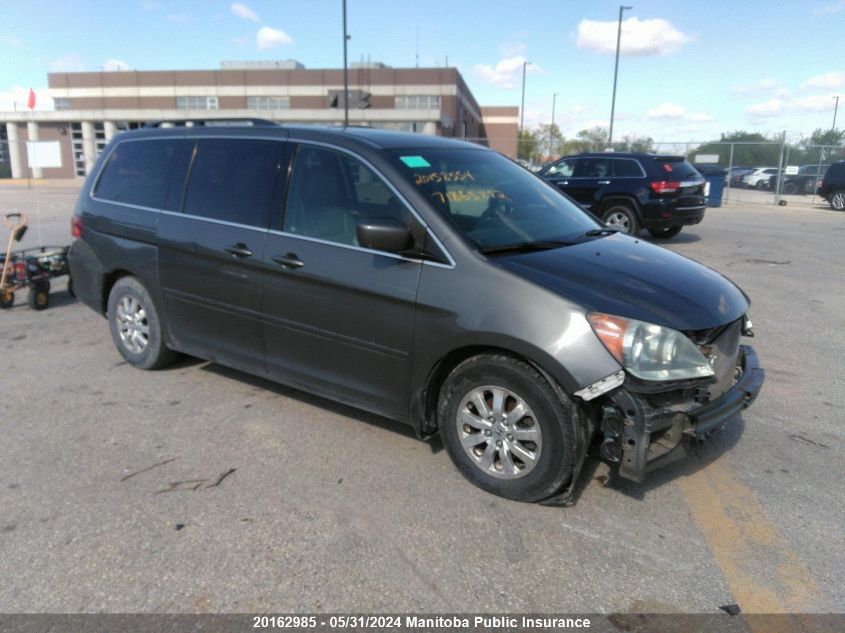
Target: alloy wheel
132 324
499 432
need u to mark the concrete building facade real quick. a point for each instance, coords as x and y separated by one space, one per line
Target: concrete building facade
90 107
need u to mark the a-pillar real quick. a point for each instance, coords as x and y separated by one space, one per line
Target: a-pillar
15 155
89 146
32 135
110 129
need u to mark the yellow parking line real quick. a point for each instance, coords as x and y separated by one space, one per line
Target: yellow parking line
763 572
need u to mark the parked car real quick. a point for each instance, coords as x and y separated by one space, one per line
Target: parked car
832 187
736 174
759 178
630 191
805 181
425 279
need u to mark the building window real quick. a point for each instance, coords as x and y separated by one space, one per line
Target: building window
196 103
418 102
267 103
61 103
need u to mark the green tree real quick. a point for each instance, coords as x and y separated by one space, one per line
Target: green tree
549 141
750 149
634 143
527 148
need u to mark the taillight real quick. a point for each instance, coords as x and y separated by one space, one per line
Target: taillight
665 186
76 226
20 270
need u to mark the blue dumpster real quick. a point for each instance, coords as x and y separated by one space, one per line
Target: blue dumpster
715 187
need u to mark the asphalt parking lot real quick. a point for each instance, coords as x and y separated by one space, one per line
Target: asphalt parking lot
199 488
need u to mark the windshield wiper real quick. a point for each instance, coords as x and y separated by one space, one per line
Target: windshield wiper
525 247
605 230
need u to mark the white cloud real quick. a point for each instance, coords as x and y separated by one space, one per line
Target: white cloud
771 108
16 99
507 73
832 79
673 112
244 12
817 103
69 63
639 37
11 40
761 86
115 65
827 9
777 107
267 38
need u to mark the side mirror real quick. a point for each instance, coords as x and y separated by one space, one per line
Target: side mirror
384 234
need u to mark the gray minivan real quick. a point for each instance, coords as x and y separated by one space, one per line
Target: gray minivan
425 279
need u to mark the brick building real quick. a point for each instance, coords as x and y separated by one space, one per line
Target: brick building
92 106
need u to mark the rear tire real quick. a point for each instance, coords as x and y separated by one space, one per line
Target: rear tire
837 200
621 216
7 299
665 234
761 185
790 188
135 325
39 295
70 287
528 457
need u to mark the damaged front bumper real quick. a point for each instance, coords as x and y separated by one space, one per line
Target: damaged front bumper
645 428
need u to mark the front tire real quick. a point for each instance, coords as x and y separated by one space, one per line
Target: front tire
135 325
790 188
622 217
665 234
837 200
506 429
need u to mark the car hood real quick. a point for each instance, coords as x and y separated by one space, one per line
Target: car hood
627 277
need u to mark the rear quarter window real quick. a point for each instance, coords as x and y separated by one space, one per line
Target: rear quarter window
676 169
627 168
138 172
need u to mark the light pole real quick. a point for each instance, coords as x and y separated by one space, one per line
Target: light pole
615 73
522 107
345 72
835 109
552 126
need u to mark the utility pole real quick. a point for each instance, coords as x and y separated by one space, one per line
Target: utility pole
552 126
522 107
615 73
835 109
345 72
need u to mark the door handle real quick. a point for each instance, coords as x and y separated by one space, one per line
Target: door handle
565 182
289 260
604 182
238 250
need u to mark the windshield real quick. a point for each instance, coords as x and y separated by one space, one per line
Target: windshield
490 200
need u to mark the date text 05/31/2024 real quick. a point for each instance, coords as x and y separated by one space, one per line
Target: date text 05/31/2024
418 622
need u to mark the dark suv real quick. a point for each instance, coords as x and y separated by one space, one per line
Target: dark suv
832 187
630 192
425 279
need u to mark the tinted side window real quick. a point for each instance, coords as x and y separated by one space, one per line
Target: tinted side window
330 192
626 168
593 168
138 172
234 180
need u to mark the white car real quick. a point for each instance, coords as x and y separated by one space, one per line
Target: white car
759 178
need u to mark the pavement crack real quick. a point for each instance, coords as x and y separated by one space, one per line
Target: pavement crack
147 469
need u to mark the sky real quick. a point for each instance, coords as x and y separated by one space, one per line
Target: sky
689 70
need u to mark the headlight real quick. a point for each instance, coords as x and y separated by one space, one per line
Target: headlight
648 351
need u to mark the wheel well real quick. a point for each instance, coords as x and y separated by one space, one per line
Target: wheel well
109 280
444 367
627 200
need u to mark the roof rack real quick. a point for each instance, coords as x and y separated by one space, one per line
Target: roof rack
213 122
